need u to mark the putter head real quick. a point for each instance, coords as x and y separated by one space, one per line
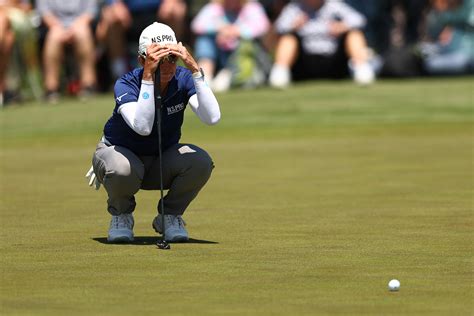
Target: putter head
162 244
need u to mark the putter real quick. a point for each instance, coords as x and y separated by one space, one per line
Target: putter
162 244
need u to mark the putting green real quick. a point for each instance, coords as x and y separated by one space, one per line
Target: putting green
321 195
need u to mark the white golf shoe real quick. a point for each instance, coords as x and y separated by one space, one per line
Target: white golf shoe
363 74
121 228
280 77
174 228
222 81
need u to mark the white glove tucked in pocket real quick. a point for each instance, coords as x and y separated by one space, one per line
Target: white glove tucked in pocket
93 178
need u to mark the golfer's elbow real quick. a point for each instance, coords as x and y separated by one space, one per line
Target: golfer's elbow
214 119
143 130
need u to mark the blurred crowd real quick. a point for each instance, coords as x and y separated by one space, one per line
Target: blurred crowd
52 48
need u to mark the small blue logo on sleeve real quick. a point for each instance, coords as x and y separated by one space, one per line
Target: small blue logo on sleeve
145 95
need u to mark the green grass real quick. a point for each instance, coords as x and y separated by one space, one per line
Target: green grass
321 195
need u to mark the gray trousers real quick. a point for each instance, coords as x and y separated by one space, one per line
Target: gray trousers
186 169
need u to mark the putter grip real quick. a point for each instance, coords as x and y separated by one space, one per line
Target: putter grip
156 85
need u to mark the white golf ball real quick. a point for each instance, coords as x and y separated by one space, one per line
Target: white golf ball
394 285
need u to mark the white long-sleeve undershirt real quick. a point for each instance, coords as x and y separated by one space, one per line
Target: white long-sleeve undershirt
140 115
204 103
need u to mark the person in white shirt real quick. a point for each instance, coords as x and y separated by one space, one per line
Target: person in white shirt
320 39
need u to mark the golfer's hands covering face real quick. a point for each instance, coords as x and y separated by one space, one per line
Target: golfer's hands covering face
182 53
155 53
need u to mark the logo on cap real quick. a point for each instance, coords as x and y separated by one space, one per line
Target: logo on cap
163 38
155 33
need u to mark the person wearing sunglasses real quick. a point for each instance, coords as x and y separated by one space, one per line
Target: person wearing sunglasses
126 158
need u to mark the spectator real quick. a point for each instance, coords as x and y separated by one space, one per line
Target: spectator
379 20
68 23
273 9
320 39
122 21
410 14
227 34
7 38
18 52
393 31
390 23
450 34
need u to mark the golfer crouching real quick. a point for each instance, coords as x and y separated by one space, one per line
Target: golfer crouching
127 157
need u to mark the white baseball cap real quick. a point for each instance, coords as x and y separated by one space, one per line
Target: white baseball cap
155 33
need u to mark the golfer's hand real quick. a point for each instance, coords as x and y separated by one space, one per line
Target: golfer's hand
182 52
93 178
154 54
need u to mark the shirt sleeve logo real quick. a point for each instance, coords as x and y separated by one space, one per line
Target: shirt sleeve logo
119 99
145 95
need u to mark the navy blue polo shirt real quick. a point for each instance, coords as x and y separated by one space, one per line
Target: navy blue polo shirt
127 89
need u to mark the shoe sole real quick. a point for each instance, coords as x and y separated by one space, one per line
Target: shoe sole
179 238
119 240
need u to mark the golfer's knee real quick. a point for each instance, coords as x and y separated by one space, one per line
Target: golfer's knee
202 165
118 168
121 174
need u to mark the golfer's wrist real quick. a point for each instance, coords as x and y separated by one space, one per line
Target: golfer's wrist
199 73
194 67
148 76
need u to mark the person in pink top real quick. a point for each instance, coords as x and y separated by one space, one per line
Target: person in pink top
220 27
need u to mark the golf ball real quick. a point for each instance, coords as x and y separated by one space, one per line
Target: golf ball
394 285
